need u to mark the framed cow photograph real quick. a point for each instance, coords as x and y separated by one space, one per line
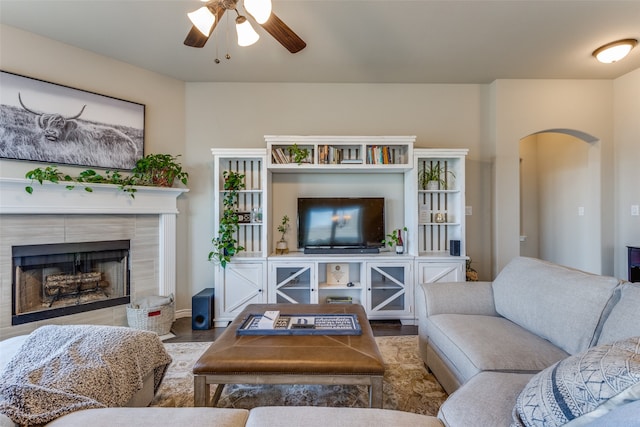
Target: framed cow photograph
55 124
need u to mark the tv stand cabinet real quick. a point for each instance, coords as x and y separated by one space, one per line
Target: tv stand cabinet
383 283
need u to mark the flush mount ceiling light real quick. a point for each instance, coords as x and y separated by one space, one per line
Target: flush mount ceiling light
614 51
206 18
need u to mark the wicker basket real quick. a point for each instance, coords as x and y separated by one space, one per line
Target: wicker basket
154 319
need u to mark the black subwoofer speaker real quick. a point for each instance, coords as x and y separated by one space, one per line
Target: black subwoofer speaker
202 309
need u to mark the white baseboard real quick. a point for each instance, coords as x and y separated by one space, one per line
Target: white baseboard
183 313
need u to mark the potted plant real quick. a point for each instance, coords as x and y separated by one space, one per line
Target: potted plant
159 170
151 170
282 247
225 244
395 239
298 155
434 177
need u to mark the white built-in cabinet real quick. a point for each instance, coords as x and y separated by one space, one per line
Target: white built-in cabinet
243 281
383 283
437 216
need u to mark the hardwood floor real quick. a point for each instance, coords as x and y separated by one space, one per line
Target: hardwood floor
181 328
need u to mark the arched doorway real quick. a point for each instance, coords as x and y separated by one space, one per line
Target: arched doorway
560 205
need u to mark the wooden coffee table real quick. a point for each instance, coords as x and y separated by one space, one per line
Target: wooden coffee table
291 359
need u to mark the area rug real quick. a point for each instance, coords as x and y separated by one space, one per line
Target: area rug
407 385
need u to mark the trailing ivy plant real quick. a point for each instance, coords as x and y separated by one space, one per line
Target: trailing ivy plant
225 244
50 173
151 170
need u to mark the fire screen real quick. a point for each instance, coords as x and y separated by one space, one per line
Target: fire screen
60 279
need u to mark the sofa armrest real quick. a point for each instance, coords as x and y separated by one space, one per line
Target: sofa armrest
456 298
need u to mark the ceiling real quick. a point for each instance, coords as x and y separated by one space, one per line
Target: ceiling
352 41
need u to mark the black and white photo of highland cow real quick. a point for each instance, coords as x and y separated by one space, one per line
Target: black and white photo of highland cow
55 124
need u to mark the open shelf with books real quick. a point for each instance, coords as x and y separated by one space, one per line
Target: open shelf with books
346 153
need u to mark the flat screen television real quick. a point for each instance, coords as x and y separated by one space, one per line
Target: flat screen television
349 224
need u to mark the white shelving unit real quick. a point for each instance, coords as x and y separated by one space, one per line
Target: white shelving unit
244 280
438 216
343 153
383 283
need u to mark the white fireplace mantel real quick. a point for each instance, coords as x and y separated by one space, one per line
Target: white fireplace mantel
51 198
104 199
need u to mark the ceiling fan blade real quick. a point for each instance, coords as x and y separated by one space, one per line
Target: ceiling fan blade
285 35
195 38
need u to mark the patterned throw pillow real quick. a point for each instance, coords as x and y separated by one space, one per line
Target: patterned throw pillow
582 387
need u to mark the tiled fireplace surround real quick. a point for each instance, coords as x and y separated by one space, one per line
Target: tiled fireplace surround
53 214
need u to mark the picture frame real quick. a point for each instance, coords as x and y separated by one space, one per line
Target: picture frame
55 124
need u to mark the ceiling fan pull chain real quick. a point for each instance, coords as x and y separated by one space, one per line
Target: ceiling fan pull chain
226 42
217 60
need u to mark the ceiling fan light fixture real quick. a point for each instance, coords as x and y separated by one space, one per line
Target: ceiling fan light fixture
259 9
246 34
203 20
614 51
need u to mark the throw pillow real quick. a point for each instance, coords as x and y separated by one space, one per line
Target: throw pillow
581 388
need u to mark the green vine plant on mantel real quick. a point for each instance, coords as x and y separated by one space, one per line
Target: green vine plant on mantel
157 170
225 244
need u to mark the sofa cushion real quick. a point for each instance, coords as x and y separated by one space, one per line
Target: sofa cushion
154 417
287 416
582 387
560 304
627 415
486 400
474 343
624 319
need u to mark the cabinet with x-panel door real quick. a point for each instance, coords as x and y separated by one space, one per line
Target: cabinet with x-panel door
382 284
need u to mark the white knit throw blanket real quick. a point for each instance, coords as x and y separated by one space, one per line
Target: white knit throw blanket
61 369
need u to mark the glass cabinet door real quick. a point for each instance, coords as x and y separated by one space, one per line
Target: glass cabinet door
388 290
292 284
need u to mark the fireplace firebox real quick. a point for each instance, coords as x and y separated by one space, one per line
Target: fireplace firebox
59 279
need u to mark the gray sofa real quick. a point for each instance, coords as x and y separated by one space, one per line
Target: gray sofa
485 341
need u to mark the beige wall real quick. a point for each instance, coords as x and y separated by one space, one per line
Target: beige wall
626 122
524 107
559 210
190 118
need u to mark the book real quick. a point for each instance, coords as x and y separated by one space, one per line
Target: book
269 319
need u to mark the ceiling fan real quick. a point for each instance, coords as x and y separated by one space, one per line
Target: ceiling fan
206 18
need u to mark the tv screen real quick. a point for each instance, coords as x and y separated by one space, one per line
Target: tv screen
355 222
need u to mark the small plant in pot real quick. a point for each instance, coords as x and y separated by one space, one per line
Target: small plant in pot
225 244
395 239
282 247
159 170
298 155
434 177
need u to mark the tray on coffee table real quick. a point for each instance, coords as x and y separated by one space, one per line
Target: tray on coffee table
303 324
